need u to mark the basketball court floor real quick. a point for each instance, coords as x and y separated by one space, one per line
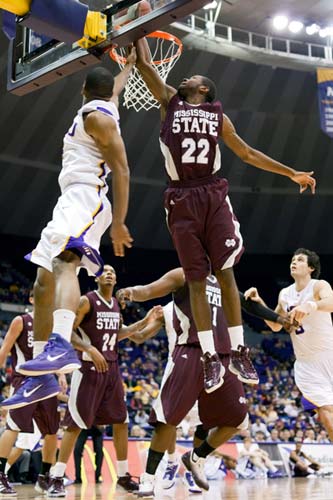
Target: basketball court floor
262 489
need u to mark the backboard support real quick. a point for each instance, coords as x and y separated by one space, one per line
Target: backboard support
35 61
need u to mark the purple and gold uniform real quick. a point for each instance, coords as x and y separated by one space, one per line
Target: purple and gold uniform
199 213
45 413
183 382
98 398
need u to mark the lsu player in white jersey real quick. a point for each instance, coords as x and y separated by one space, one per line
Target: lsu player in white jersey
92 148
309 301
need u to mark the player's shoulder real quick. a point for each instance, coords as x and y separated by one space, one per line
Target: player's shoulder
104 107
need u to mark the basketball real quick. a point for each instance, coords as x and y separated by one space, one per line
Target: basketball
143 8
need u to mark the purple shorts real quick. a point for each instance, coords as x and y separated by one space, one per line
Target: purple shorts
204 229
45 413
183 386
96 398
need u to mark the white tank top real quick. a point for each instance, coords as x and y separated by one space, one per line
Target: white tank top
82 161
170 331
316 333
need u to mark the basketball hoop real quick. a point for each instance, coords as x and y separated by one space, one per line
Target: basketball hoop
165 52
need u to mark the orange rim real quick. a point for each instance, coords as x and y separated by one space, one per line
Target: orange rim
156 34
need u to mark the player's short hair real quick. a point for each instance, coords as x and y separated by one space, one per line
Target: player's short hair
99 83
31 293
211 94
313 261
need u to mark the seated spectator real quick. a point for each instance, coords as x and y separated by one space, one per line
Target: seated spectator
301 464
260 437
259 459
137 432
310 436
323 437
259 426
274 436
141 418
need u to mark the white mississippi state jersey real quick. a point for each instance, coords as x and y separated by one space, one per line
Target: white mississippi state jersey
170 331
316 333
82 161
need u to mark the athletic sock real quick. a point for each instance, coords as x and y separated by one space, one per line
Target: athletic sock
45 469
172 457
38 347
59 469
3 462
202 451
63 321
206 340
153 461
236 334
122 468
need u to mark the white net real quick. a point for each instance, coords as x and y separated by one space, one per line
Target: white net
166 50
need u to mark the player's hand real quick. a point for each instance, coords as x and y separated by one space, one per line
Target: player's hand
124 295
156 313
298 313
288 324
121 238
252 294
305 180
131 57
98 359
62 381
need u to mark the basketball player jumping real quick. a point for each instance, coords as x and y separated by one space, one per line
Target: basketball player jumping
204 230
309 301
92 147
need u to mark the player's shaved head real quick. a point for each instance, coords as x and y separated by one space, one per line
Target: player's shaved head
99 83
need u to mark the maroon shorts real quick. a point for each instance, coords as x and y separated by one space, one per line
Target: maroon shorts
45 413
203 227
183 385
96 398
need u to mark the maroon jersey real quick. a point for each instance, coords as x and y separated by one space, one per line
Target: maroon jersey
189 139
22 349
183 321
101 325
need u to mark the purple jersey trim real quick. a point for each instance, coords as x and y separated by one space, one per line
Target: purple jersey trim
104 110
307 405
92 254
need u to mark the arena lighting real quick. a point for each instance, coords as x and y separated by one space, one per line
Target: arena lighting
295 26
211 5
323 33
312 29
280 22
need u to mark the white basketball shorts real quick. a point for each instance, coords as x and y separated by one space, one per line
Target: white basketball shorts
314 378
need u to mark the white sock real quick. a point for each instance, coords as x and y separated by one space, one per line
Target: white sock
38 347
206 340
63 321
172 457
7 467
236 334
149 477
59 469
122 467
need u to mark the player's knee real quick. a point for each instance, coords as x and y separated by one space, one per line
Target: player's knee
201 433
244 424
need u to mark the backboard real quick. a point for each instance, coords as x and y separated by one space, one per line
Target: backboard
35 60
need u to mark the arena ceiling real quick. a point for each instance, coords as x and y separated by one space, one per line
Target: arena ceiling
273 109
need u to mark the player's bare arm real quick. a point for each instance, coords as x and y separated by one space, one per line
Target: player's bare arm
104 131
152 318
168 283
323 295
83 310
122 77
14 331
260 160
160 90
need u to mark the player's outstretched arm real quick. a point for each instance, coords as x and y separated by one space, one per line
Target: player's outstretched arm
259 310
14 331
122 77
160 90
252 295
323 302
103 129
144 329
168 283
260 160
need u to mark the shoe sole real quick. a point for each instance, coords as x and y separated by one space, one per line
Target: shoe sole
187 463
21 405
243 379
40 490
65 369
